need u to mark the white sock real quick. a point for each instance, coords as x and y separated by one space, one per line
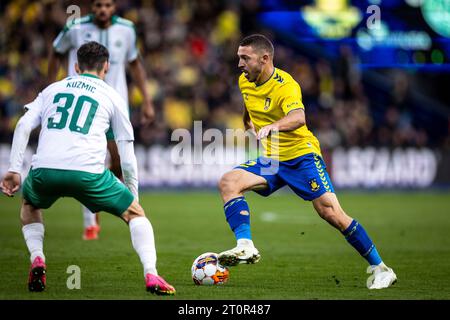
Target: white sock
88 217
34 238
144 243
245 243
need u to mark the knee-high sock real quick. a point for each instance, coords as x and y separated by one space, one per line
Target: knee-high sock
143 241
358 238
237 213
88 218
33 234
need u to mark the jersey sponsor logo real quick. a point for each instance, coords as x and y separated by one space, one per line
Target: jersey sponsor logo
244 213
267 104
278 78
118 43
292 104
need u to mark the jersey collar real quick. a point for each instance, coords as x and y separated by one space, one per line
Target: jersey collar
259 85
89 75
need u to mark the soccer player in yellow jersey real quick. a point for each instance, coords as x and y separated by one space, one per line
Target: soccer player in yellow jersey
274 110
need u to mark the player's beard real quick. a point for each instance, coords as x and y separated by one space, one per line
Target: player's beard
103 19
254 74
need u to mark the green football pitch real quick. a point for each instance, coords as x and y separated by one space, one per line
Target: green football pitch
302 256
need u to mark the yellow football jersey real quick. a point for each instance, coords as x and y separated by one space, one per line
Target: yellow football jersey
269 102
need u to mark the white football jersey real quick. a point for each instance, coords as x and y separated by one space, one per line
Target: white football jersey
74 114
119 38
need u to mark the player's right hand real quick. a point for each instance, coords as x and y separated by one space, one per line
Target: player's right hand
265 131
10 183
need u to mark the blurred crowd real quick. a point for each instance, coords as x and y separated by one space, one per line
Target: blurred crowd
189 52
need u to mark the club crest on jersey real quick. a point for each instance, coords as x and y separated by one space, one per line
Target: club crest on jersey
314 185
267 104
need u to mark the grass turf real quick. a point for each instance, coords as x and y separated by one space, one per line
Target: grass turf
302 256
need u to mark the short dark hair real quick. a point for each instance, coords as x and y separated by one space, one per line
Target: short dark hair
258 42
92 56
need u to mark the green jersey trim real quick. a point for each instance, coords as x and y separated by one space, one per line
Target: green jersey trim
122 21
89 75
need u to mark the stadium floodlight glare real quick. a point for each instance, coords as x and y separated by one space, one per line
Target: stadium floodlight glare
332 19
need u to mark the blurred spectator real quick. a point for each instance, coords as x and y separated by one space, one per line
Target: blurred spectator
189 51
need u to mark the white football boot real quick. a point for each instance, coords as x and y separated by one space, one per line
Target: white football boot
244 253
382 277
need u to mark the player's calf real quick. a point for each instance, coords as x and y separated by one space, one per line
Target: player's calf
328 208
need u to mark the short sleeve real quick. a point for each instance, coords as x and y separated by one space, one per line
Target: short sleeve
290 97
63 41
132 52
121 125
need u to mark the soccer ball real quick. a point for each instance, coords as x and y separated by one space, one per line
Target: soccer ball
206 270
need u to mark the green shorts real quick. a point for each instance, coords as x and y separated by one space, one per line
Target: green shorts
98 192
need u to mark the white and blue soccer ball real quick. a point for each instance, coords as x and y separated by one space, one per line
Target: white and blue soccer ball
206 270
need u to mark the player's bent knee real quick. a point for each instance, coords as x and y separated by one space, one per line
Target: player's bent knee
229 183
29 213
134 210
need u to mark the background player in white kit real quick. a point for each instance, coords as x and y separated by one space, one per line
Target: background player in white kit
119 37
74 115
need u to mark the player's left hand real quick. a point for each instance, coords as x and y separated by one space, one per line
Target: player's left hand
10 183
265 131
147 112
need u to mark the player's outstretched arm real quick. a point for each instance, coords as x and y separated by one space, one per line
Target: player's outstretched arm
293 120
139 76
128 164
30 120
123 133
